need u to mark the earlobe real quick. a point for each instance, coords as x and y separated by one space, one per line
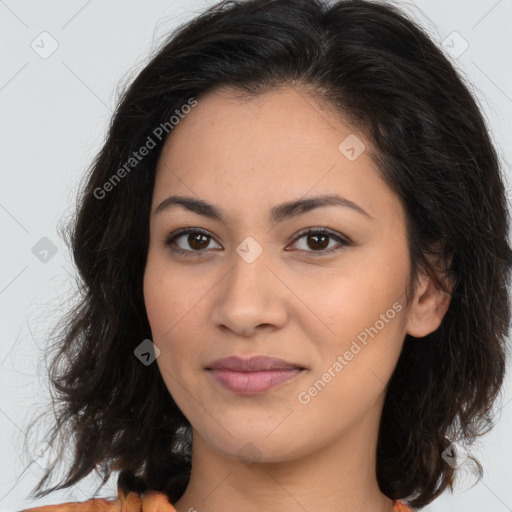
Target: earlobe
428 307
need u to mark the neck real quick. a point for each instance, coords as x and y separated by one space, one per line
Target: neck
335 478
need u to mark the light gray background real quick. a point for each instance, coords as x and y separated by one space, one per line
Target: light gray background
54 115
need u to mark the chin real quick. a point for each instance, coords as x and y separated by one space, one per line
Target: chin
258 447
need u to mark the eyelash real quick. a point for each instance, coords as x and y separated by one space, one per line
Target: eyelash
345 242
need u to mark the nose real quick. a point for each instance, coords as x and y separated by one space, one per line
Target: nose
250 297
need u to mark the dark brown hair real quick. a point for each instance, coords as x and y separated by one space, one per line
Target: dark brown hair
375 67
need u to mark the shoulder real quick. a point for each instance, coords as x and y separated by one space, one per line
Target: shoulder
401 506
133 502
125 502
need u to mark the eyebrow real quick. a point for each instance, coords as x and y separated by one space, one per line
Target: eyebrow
277 213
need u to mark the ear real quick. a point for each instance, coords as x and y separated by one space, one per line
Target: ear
428 306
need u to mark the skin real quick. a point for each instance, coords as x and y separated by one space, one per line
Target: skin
293 301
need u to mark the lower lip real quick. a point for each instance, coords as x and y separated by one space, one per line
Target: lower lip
249 383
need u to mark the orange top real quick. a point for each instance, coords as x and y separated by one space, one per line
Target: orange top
132 502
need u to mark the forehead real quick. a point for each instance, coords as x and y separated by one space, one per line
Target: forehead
284 121
281 144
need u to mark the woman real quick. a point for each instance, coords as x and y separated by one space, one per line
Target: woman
284 245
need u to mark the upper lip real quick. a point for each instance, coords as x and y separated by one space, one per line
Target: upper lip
251 364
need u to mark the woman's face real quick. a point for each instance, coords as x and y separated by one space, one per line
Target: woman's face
332 306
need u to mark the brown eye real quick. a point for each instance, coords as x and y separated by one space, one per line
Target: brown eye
196 239
318 240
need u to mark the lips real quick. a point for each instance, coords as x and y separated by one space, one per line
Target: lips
251 364
254 375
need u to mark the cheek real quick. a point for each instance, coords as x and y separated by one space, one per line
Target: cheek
163 315
349 300
165 294
363 308
174 311
162 304
154 293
